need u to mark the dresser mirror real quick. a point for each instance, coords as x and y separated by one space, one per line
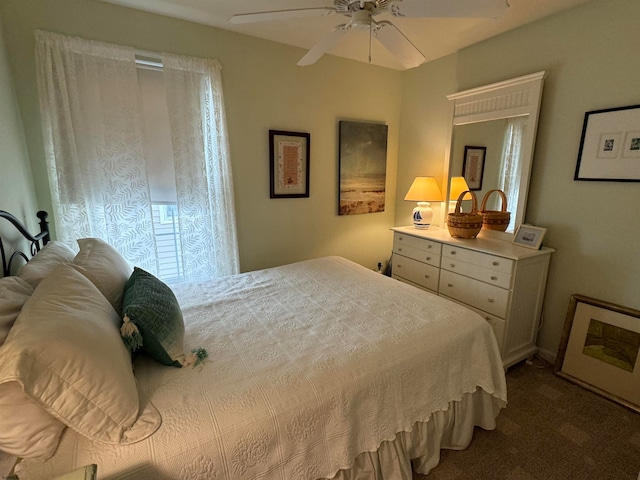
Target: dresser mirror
503 119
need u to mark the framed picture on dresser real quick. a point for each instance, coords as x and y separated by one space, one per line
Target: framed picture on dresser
529 236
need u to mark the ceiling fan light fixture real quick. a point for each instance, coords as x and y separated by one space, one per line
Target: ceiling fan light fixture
361 20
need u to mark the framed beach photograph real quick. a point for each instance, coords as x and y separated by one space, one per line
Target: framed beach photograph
610 145
599 349
529 236
473 166
289 164
363 167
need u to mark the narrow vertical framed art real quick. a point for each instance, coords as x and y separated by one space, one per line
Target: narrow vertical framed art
289 164
363 167
473 166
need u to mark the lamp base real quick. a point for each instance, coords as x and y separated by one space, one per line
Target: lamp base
422 215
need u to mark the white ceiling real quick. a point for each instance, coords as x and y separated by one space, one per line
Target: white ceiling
434 37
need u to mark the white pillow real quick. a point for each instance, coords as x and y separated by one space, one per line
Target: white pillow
105 267
66 352
14 291
26 430
45 261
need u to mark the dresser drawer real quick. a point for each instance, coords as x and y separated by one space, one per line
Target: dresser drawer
492 277
416 272
485 260
488 298
497 325
416 254
401 240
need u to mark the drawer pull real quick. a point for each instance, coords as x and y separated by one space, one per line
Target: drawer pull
453 252
452 265
427 276
428 258
399 266
450 285
400 249
428 246
494 278
495 264
400 238
490 300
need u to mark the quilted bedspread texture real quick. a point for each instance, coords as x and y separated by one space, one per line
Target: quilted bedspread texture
309 365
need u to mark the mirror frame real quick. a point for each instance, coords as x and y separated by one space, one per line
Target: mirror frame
516 97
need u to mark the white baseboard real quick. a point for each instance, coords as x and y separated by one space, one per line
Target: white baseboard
547 356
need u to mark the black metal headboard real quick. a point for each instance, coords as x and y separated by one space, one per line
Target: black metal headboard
37 241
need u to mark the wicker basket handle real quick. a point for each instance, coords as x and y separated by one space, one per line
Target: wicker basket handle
474 202
486 196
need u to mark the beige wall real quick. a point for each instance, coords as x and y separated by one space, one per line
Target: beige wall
590 54
18 194
264 89
591 58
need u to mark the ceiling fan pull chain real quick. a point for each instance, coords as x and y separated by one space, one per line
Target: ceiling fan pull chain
370 33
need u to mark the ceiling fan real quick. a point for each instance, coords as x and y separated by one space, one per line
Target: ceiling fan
362 13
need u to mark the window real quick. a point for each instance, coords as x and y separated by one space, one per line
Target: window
160 170
165 225
138 155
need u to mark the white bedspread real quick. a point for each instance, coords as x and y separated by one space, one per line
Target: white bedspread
309 365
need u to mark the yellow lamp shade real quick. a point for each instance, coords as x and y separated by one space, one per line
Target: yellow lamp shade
458 185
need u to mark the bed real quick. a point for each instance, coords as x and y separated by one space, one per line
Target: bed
318 369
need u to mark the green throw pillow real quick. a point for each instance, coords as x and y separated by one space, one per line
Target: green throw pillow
151 306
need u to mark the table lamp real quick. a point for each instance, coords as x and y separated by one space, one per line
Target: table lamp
458 185
423 190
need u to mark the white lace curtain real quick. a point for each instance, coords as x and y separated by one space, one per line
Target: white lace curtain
202 167
511 164
91 112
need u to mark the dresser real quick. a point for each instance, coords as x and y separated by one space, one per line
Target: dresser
504 283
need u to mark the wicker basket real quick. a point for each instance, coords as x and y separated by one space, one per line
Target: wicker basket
465 225
495 219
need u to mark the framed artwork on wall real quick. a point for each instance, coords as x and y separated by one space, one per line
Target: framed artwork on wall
289 164
473 166
600 349
610 145
363 167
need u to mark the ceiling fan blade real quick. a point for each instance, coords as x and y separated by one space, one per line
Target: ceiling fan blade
399 45
449 8
324 45
280 15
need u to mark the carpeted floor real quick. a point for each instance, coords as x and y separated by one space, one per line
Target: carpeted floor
551 429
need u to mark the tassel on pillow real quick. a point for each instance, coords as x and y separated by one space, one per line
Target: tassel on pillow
130 335
195 358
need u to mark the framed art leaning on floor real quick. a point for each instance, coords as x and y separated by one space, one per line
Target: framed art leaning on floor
600 349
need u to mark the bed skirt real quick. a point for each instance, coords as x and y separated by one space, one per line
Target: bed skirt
451 429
